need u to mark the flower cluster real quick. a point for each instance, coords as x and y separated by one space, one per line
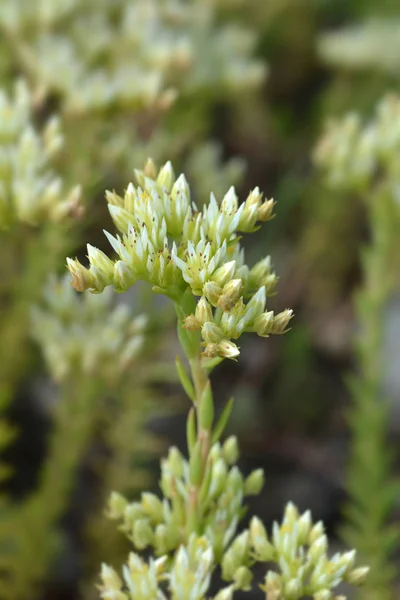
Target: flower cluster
85 333
29 190
214 511
373 44
166 240
353 156
137 53
188 576
299 550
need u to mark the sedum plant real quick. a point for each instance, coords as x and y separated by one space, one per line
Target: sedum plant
372 44
193 256
363 159
89 345
35 210
30 191
85 333
137 52
117 86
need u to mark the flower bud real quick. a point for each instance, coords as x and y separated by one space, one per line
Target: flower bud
230 294
150 169
291 515
114 199
110 578
323 595
273 585
167 482
129 200
140 178
293 589
256 304
203 311
98 280
228 566
212 292
347 560
133 512
215 452
211 333
226 593
116 506
317 549
265 212
281 321
191 323
254 482
152 506
124 276
142 534
259 540
230 450
235 556
235 480
122 218
316 532
254 198
229 202
243 577
180 187
357 576
248 218
81 277
269 283
218 478
166 176
161 539
240 545
304 527
227 349
176 461
225 273
210 351
263 324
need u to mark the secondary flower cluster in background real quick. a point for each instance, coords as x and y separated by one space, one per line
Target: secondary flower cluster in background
85 333
29 190
355 156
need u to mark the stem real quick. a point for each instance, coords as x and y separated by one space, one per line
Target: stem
191 346
372 489
36 521
199 377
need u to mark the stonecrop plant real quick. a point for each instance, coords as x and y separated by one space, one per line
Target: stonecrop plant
85 335
140 82
193 256
30 191
363 159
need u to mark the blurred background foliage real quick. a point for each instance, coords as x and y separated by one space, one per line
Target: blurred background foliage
233 92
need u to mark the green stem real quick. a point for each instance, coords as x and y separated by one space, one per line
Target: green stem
191 346
35 523
372 489
199 377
